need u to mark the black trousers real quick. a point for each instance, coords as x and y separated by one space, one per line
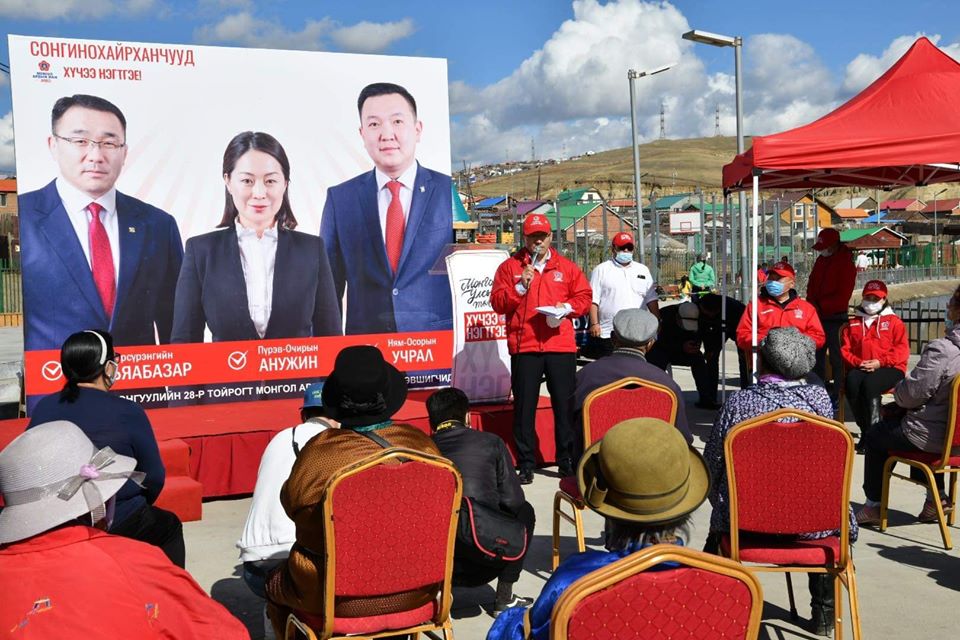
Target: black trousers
467 573
831 327
713 373
527 371
158 527
862 387
886 435
662 355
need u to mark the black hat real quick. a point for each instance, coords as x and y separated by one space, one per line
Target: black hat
363 388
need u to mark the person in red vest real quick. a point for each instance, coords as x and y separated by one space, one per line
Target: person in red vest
778 305
829 289
875 351
541 344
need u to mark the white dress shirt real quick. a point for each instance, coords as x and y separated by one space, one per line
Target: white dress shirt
406 180
617 287
75 202
258 256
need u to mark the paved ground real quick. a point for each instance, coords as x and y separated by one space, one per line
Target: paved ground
908 583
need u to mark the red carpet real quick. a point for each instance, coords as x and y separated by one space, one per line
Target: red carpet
227 440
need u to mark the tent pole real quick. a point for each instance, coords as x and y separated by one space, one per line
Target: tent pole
756 195
723 302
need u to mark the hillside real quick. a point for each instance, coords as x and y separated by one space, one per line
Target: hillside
671 166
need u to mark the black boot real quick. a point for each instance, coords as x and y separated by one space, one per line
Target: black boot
871 416
822 613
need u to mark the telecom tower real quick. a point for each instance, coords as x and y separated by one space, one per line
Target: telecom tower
533 150
716 122
663 121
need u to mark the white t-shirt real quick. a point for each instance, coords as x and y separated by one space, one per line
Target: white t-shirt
616 287
268 533
862 261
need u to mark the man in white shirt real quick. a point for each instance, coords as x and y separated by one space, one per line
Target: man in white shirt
93 257
268 533
619 283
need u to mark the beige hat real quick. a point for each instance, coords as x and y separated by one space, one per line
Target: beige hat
642 470
51 474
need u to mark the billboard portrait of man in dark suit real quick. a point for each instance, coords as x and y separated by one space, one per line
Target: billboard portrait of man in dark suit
92 257
385 229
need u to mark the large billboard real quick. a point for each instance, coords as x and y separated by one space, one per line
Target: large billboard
232 216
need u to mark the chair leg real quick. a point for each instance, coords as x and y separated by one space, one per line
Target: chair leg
851 582
952 517
837 609
793 603
555 555
941 517
885 492
581 545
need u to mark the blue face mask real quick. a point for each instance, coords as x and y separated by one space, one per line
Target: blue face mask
947 322
624 257
774 288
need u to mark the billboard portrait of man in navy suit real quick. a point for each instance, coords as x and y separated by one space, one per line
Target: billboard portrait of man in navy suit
384 230
92 257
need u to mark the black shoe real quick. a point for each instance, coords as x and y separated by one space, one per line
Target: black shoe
565 468
526 476
515 601
710 406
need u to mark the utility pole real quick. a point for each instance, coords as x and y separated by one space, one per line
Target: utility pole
716 123
663 123
533 150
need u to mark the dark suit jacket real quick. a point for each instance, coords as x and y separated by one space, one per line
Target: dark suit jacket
379 301
59 295
211 290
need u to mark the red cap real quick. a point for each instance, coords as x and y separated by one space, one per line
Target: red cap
782 269
622 239
536 223
827 238
875 288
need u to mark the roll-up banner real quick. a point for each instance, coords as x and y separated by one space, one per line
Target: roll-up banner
481 362
233 217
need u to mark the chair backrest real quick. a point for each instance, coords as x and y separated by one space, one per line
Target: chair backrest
788 472
625 399
663 591
389 524
952 439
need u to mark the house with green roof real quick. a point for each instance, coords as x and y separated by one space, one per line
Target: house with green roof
586 195
587 220
873 238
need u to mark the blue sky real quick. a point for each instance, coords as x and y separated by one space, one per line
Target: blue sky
551 70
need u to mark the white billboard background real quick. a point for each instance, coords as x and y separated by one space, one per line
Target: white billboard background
180 119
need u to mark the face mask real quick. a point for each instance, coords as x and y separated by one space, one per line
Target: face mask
826 253
624 257
873 308
774 288
948 323
112 378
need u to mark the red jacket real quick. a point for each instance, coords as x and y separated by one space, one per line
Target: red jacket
795 312
831 282
78 582
561 282
884 340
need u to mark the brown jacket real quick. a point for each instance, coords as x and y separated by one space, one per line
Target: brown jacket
298 583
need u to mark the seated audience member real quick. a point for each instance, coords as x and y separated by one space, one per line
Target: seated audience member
56 558
362 393
786 357
634 333
678 342
645 481
90 367
268 533
919 421
875 350
778 305
488 478
715 335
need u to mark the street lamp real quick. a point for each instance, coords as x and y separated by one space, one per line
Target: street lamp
632 75
717 40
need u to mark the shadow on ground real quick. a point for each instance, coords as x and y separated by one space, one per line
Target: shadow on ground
234 594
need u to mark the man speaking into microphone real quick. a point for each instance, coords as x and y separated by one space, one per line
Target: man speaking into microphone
540 292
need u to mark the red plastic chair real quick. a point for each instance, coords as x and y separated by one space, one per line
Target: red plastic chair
788 478
947 463
705 597
389 525
609 405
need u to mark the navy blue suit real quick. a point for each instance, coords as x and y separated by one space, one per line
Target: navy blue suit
211 290
379 301
59 294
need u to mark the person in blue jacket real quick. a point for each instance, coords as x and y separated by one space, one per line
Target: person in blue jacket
645 480
90 367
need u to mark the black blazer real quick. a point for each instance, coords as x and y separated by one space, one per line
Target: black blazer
211 290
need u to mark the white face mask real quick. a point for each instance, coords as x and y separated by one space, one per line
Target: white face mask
624 257
873 308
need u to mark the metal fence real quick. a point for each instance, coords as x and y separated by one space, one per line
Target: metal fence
923 320
11 294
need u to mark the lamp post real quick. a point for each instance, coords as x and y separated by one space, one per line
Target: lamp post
632 76
936 245
717 40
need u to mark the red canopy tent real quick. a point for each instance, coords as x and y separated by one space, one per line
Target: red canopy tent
902 130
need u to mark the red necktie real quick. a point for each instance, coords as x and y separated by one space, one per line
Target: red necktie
101 259
395 225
